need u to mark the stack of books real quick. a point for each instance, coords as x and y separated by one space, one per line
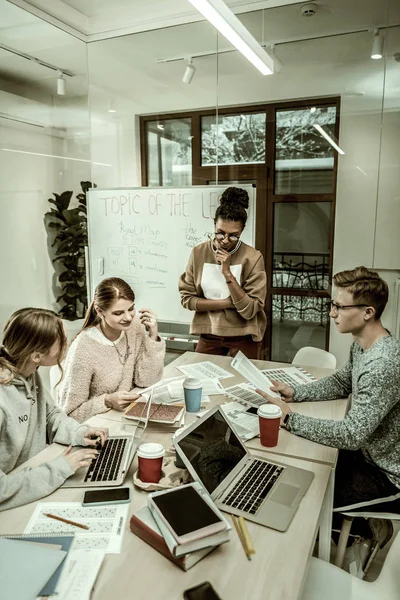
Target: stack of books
164 414
157 535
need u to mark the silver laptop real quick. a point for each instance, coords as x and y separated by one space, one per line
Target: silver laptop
266 492
115 457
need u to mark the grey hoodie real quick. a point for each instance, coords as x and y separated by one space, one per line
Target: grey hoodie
29 420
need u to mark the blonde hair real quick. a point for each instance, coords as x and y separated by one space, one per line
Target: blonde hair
106 293
366 286
29 330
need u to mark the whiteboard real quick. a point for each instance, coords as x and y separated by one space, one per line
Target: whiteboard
145 236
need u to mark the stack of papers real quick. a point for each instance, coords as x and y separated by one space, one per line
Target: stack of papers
245 424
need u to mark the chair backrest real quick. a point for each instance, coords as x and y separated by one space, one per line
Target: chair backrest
314 357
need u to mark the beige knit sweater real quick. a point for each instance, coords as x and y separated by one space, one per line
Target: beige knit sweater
92 369
248 316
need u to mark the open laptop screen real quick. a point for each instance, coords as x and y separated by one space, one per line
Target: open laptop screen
213 450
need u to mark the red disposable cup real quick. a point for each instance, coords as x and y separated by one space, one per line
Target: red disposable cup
269 417
150 457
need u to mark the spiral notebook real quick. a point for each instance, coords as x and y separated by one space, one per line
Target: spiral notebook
31 569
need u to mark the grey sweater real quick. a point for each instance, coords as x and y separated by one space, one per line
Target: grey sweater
373 421
28 419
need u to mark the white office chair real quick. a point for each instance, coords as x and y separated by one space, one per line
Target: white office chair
314 357
348 518
324 580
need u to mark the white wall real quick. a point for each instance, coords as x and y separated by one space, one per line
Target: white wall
26 181
365 178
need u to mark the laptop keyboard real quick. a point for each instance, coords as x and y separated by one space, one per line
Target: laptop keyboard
105 467
251 490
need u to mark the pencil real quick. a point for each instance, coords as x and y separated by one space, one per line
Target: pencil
240 534
66 521
246 536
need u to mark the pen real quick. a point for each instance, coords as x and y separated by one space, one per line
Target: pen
240 534
246 536
66 521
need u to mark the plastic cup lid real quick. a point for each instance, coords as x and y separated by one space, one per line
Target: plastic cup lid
151 450
269 411
191 383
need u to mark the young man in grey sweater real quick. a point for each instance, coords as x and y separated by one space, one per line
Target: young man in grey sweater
368 468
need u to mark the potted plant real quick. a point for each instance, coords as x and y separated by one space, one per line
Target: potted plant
69 227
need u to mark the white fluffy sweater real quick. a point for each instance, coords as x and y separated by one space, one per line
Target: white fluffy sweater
93 369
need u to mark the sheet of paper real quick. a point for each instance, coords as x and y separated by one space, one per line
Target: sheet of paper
106 524
211 387
245 393
79 574
204 370
160 390
249 370
290 375
245 424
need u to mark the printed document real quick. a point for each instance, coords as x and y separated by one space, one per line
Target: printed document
204 370
249 370
106 524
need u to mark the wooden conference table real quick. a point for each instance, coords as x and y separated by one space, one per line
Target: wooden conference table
278 567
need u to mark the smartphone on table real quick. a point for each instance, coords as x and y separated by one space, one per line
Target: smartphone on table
252 410
204 591
109 496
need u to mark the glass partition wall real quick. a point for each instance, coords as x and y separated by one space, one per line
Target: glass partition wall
231 125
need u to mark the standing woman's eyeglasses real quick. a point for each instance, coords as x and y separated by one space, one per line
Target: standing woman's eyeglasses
221 236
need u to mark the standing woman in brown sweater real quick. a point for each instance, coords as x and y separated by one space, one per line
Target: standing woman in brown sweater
225 284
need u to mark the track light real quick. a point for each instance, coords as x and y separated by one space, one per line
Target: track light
377 45
278 64
223 19
189 72
61 86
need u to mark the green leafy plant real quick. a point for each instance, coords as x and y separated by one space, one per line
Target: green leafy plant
69 225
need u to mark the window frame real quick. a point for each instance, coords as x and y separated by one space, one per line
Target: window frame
264 176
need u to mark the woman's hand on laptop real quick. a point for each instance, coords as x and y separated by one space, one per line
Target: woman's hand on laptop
80 458
95 436
120 400
283 389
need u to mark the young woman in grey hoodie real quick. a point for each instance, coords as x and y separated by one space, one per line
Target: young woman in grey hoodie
35 337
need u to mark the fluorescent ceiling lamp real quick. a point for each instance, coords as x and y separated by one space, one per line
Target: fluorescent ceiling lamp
278 64
377 45
235 32
55 156
328 138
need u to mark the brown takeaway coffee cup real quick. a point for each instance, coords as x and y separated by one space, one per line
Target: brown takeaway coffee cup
269 417
150 457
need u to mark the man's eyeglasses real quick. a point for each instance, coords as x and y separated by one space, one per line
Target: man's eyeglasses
333 306
221 236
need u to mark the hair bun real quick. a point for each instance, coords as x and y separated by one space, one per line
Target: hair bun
234 195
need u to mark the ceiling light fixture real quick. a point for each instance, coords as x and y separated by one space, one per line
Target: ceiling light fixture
111 107
189 72
278 64
61 84
219 15
377 45
328 138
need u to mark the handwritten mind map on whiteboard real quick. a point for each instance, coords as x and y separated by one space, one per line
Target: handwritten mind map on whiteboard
145 236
